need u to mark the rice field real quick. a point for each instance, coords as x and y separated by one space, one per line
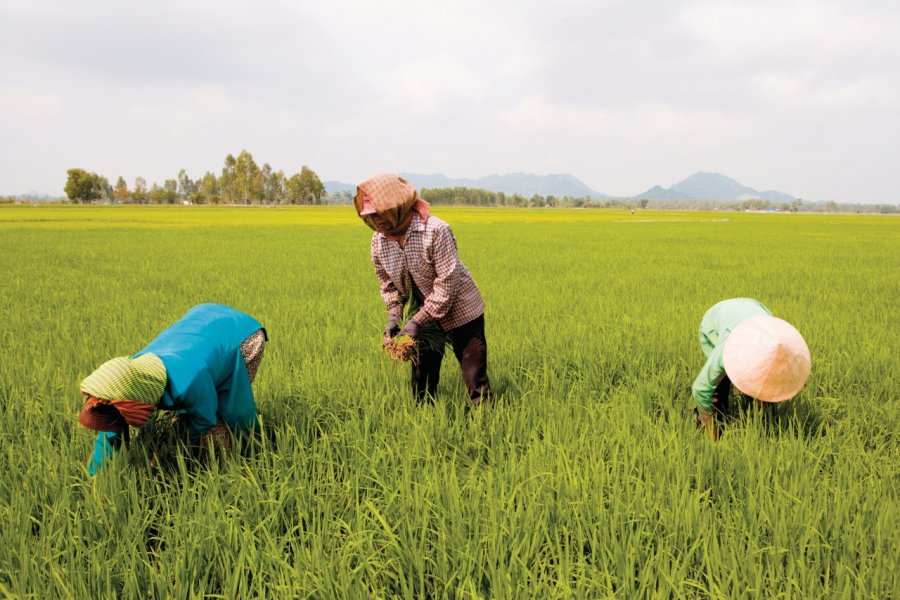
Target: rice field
587 479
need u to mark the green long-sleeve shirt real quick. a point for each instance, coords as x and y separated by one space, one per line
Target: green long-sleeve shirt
717 324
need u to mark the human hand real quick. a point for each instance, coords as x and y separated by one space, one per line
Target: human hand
707 423
411 329
391 329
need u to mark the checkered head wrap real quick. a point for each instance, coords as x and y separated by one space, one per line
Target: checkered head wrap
393 199
122 389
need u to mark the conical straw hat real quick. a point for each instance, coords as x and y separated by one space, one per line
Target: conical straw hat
765 357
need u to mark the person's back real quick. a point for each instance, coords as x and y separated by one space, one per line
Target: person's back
207 338
721 319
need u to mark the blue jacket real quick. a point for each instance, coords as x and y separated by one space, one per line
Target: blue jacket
206 377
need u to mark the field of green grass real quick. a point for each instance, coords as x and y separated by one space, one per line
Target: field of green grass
588 477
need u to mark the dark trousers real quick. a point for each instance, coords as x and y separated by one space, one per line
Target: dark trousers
719 401
470 348
720 397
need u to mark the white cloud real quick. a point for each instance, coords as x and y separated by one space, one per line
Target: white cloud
806 95
22 102
425 87
622 94
811 31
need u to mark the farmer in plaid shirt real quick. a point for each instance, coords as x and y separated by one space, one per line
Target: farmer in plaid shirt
415 258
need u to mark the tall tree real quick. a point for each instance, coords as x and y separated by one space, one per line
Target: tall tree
140 190
121 193
247 178
209 188
157 193
171 190
293 190
106 190
227 180
82 186
186 187
265 175
273 185
312 190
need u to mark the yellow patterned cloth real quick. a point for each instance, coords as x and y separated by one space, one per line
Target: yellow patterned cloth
140 379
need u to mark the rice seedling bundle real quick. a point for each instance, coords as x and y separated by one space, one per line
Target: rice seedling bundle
401 347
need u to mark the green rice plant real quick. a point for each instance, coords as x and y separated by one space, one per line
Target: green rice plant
586 479
430 335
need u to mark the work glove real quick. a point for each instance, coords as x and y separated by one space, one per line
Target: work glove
411 329
391 329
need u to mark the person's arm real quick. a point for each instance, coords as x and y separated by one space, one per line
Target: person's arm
703 389
389 292
706 382
105 445
446 267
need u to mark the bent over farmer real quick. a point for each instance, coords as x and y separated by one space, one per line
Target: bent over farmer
763 356
415 258
200 367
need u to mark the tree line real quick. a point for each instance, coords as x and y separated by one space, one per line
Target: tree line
461 196
241 181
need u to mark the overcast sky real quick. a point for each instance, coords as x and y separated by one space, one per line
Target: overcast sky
802 96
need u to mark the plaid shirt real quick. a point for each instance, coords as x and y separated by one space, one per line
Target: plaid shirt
429 256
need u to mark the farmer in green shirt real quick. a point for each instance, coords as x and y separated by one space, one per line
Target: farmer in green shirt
762 355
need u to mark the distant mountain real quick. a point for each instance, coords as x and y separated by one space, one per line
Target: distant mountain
712 186
525 184
661 193
34 195
699 186
334 187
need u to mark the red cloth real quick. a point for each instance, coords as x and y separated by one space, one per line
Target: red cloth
113 415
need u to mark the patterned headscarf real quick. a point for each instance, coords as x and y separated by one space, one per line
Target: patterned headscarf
122 388
393 198
113 415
